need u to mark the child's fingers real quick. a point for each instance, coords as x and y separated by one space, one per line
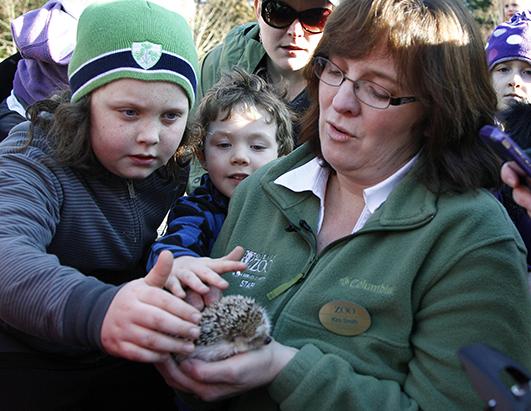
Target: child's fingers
160 272
205 273
222 266
158 342
194 280
133 352
158 321
195 300
211 274
175 287
212 296
167 310
236 254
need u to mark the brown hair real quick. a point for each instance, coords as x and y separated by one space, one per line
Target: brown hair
67 125
439 57
241 88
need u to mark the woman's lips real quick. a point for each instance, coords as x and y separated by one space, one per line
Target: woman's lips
338 134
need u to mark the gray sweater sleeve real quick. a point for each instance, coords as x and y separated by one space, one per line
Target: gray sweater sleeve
39 296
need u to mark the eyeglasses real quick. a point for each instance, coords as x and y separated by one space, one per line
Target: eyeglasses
279 15
366 91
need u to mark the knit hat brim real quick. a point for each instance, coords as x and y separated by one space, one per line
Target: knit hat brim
121 64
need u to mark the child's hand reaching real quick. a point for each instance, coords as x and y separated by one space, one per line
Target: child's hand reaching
201 278
146 323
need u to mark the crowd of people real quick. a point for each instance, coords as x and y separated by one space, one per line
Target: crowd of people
324 160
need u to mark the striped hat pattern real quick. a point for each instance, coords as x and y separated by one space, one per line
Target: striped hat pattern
133 39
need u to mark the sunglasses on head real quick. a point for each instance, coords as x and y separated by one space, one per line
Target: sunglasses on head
279 15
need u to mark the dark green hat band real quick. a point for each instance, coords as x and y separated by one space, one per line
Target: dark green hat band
114 65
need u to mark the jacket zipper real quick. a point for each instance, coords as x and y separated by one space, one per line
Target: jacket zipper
132 195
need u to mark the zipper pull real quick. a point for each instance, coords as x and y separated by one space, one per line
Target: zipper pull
282 288
131 189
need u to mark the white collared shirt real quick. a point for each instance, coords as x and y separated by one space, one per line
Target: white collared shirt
312 177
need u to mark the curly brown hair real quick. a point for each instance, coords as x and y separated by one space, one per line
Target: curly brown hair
241 88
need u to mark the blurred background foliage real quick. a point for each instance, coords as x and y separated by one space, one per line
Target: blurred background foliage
214 18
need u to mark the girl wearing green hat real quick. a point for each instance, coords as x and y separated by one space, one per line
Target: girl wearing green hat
83 188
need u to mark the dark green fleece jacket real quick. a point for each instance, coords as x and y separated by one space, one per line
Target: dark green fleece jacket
434 273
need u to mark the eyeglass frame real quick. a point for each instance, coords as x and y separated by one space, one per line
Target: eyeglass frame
297 15
393 101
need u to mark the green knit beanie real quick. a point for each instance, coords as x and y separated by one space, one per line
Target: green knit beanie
132 39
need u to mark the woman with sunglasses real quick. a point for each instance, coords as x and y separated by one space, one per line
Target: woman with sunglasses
375 247
277 47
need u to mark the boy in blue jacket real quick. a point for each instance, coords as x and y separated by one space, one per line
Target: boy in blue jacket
241 124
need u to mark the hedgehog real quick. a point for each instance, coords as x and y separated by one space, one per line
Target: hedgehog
232 325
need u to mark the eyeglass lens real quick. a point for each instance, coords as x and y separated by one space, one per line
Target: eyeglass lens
367 92
279 15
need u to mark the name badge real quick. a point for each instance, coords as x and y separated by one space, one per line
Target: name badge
344 318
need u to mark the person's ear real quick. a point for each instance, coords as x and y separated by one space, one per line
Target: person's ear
200 154
257 5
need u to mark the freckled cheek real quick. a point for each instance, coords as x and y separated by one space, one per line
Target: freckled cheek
172 139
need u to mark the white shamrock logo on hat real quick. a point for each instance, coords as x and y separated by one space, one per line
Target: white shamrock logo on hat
146 54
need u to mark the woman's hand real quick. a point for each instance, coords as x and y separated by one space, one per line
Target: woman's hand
511 175
146 323
212 381
200 277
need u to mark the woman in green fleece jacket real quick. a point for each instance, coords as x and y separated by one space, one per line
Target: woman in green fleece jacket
374 247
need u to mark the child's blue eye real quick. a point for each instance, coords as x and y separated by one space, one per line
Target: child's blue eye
171 116
223 145
257 147
129 112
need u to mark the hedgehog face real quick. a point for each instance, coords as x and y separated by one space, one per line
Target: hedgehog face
260 338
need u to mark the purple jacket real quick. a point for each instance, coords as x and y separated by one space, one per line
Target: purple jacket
45 38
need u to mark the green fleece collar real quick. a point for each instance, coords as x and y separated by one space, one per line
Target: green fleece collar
409 205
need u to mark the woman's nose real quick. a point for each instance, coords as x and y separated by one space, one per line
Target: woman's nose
295 29
345 100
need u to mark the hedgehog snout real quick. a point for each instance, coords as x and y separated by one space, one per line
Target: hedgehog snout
267 340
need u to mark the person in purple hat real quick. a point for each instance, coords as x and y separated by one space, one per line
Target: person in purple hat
509 60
